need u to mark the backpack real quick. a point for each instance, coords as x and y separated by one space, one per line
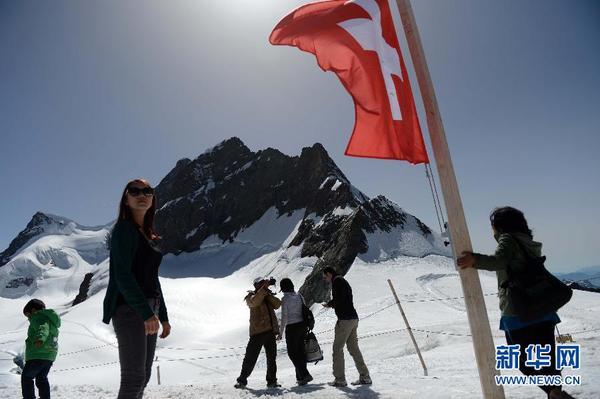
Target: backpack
312 349
535 292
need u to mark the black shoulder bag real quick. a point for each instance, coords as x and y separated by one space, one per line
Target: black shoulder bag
307 316
535 292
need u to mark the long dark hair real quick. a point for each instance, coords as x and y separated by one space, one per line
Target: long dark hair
286 285
509 220
125 212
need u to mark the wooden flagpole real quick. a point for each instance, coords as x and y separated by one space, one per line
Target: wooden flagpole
459 234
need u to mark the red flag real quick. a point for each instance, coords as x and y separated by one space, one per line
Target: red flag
357 40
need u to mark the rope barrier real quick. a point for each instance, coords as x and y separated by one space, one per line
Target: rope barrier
441 299
86 367
405 301
441 332
200 358
585 331
281 350
200 349
13 331
87 349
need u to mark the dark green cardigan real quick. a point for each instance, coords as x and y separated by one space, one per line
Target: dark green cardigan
123 245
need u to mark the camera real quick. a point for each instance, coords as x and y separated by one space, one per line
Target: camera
268 282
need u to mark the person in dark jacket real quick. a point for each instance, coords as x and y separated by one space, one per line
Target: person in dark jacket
263 329
345 330
292 323
513 235
134 299
41 348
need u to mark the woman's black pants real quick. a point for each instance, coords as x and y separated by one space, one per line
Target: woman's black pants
294 339
540 333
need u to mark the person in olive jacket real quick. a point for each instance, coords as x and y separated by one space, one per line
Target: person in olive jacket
263 330
134 299
515 246
41 348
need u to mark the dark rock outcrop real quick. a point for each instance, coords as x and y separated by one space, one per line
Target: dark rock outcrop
83 289
339 239
19 282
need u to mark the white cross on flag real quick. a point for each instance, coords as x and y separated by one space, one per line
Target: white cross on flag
357 40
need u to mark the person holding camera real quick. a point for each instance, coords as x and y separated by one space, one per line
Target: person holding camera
263 330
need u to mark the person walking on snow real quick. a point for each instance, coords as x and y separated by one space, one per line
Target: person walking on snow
41 348
295 328
345 330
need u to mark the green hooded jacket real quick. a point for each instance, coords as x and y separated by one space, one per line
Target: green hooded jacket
508 255
43 326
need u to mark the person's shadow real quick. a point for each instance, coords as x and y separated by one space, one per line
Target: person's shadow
361 392
308 388
300 390
265 391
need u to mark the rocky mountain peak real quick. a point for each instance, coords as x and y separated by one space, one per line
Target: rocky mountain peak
229 187
37 225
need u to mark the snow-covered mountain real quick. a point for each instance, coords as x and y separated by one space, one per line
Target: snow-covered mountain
586 279
229 216
51 253
224 209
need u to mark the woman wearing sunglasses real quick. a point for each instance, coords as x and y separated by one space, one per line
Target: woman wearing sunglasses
134 299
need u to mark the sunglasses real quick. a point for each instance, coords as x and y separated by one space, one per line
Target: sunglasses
137 191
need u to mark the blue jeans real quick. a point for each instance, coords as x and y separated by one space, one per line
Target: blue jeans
38 370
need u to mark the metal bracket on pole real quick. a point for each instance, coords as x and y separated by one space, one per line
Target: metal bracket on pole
412 337
446 235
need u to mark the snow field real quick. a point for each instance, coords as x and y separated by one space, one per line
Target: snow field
202 357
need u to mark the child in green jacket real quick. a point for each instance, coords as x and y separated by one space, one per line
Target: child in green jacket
41 348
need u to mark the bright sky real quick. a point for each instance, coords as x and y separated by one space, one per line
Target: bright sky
94 93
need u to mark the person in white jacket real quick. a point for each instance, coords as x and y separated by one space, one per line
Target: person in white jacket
292 323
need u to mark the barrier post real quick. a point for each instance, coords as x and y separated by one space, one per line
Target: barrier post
412 337
157 371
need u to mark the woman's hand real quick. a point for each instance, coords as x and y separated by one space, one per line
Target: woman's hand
151 325
466 260
279 337
166 329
